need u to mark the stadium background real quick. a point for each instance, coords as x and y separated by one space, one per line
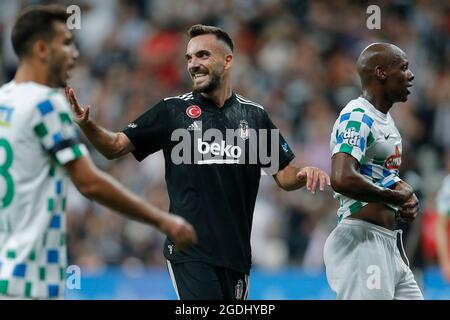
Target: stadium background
297 58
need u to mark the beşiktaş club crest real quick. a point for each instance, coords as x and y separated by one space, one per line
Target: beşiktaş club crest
239 290
243 129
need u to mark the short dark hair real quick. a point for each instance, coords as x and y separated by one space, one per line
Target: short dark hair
200 29
36 23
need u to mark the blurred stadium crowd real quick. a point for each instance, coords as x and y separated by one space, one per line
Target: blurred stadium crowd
297 58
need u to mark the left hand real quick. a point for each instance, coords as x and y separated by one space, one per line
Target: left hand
408 211
314 176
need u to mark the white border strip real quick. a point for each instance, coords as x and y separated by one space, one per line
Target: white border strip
172 277
247 286
218 161
246 101
186 96
250 103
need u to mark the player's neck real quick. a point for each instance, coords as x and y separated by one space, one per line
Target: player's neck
220 95
30 72
378 100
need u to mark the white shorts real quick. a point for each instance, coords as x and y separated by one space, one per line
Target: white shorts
363 262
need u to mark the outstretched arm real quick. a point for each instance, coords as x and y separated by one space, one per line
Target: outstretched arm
292 178
111 144
101 187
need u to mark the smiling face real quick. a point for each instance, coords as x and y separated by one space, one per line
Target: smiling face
61 57
208 62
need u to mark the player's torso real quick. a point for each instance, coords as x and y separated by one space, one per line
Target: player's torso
383 150
213 151
384 156
210 178
220 136
211 165
19 143
31 184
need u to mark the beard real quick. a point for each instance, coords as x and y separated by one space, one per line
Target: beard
55 74
211 86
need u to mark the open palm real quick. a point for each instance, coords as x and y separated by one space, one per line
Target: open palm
81 114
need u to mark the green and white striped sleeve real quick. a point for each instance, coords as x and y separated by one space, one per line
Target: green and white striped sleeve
354 134
54 127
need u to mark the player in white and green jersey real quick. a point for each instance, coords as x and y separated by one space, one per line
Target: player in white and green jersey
37 138
443 222
39 151
361 256
371 137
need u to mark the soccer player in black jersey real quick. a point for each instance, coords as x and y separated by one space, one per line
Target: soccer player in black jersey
215 143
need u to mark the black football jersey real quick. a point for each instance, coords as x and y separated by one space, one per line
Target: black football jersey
213 160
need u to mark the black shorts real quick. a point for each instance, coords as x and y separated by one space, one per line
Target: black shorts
201 281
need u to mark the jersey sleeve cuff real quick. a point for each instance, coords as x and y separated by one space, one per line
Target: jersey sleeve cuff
284 163
71 153
348 149
138 154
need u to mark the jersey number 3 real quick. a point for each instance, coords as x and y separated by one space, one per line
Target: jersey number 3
5 165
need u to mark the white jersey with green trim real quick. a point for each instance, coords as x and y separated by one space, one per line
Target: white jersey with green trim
372 138
37 137
443 198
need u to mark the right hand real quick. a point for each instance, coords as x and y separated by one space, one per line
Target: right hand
81 114
179 231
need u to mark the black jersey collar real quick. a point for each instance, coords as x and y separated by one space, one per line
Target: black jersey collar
205 102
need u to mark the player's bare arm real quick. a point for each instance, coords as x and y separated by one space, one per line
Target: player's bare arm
346 180
292 178
111 144
97 185
442 245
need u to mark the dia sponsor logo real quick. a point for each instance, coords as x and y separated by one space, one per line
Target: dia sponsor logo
351 137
